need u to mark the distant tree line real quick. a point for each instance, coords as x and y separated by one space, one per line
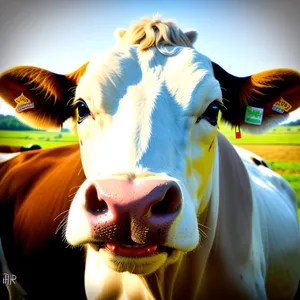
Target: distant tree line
294 123
8 122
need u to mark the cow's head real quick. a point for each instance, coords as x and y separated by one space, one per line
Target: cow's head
146 114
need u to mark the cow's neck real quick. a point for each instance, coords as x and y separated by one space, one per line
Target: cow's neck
226 249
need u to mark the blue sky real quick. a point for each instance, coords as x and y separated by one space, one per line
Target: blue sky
243 37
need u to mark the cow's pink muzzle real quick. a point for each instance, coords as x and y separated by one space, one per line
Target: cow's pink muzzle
132 218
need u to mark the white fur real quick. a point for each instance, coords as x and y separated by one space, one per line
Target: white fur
276 235
7 156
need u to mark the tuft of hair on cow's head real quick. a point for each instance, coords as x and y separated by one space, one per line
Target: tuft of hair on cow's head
148 32
42 99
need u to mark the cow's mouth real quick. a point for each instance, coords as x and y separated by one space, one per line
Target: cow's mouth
142 259
132 249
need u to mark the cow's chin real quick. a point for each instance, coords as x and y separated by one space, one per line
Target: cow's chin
134 265
143 265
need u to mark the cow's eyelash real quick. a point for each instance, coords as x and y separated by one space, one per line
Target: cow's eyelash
77 101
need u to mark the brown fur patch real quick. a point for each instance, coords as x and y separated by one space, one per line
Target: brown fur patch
36 192
269 85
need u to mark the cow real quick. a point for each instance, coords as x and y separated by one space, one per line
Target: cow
164 206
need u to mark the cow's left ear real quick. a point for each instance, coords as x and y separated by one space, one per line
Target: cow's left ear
260 101
40 97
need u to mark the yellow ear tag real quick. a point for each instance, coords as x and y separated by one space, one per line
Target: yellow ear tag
23 103
281 106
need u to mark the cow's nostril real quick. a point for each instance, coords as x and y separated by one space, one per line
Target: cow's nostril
93 203
170 202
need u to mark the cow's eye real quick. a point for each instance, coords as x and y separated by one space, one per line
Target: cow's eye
82 111
211 113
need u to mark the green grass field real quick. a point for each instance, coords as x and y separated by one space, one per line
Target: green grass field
287 135
45 139
281 167
281 135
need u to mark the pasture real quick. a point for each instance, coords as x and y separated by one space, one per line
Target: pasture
281 135
45 139
280 147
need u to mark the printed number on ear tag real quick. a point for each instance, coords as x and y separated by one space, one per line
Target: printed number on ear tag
281 106
254 115
23 103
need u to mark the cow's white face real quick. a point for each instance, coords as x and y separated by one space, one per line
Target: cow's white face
145 120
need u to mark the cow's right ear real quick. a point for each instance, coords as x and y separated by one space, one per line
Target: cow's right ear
41 98
119 33
257 102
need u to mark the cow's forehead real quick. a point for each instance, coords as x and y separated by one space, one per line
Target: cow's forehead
186 75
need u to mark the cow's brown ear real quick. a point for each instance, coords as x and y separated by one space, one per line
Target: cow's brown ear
40 97
275 91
